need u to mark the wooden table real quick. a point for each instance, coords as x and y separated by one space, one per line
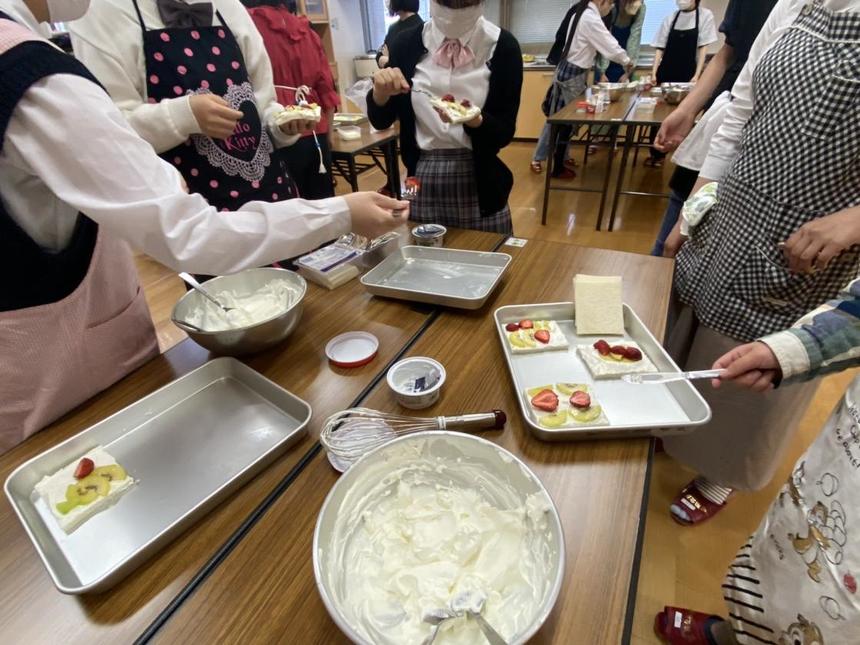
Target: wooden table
264 590
613 117
637 123
373 144
33 611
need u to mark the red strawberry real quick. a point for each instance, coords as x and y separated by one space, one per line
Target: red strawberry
85 467
580 400
413 182
602 347
618 350
449 97
512 326
542 335
632 354
526 324
546 400
466 103
850 583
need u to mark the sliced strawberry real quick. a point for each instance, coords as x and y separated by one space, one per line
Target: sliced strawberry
542 336
85 467
466 103
850 583
545 400
512 327
602 347
632 354
413 182
526 324
618 350
449 98
581 400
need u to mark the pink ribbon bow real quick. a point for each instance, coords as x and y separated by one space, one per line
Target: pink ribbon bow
452 54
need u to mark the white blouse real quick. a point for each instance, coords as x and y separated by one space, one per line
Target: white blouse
726 142
109 42
592 37
470 82
687 21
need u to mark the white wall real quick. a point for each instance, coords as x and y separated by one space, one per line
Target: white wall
348 37
719 9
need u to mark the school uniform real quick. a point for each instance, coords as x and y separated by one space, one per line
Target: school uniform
463 182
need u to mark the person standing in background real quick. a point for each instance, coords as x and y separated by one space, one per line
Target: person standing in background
681 46
741 24
586 36
407 18
626 22
195 81
299 60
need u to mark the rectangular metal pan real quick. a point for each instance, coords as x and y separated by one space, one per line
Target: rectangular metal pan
438 276
632 410
189 445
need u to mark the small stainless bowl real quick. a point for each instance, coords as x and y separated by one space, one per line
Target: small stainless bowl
674 95
251 338
614 90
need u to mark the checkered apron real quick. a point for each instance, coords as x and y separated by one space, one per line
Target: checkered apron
568 84
799 159
449 193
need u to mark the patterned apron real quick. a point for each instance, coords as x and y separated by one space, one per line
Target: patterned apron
796 580
799 159
207 60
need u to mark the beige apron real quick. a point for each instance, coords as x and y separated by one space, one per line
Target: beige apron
54 357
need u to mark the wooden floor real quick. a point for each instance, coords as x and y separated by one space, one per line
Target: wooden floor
680 566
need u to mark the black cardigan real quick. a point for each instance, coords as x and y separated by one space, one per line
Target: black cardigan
493 177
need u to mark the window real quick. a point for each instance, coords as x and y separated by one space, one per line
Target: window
654 16
536 21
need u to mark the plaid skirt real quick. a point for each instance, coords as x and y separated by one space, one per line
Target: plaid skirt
449 194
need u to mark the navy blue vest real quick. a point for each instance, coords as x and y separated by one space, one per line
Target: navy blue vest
29 275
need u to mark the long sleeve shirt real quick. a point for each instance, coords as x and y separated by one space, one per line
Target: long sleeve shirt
592 38
108 40
824 341
634 42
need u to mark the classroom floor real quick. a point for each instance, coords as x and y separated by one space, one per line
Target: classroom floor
680 566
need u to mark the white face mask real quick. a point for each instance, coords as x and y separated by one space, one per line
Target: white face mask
67 10
455 23
686 5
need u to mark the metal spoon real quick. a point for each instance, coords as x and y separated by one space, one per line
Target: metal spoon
669 377
436 617
471 603
189 279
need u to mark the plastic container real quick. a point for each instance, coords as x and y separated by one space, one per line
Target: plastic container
429 235
416 382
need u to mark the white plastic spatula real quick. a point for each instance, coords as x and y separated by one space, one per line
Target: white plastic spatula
670 377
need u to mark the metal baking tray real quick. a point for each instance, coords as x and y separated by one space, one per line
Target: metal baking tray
632 410
439 276
188 445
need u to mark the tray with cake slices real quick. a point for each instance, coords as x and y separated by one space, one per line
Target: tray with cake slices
99 504
567 361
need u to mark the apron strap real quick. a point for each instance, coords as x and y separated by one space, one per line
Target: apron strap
139 16
671 29
221 18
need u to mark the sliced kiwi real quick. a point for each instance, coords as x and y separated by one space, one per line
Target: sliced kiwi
586 416
570 388
532 392
88 489
553 420
114 472
542 324
66 506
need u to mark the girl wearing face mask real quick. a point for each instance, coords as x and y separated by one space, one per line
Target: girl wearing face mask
626 18
76 184
459 52
681 45
582 36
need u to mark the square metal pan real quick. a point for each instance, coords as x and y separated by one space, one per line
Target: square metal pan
438 276
632 410
188 445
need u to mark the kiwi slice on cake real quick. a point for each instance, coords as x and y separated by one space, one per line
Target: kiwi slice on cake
556 420
586 416
114 472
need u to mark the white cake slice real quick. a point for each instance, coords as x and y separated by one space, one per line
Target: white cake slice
53 489
456 110
566 415
604 367
598 305
304 110
523 341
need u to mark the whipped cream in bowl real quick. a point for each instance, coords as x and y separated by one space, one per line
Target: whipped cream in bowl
428 517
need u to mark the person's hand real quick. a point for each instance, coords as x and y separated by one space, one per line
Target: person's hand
385 57
753 365
816 243
674 130
625 78
695 79
604 78
217 120
629 68
298 126
388 82
674 241
374 214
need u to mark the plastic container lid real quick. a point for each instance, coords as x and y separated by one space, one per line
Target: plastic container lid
352 349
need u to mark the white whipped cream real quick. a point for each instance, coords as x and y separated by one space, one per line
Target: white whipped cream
249 308
420 529
604 368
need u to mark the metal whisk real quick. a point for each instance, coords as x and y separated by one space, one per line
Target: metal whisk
350 434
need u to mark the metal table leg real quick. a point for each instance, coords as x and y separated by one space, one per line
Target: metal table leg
629 141
393 168
613 138
353 174
553 133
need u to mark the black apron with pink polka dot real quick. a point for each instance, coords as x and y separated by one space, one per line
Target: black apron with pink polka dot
207 60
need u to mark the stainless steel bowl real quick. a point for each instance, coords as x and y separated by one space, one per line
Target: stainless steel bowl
614 90
463 452
251 338
674 95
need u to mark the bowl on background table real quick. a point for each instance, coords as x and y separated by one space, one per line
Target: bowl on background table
247 339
